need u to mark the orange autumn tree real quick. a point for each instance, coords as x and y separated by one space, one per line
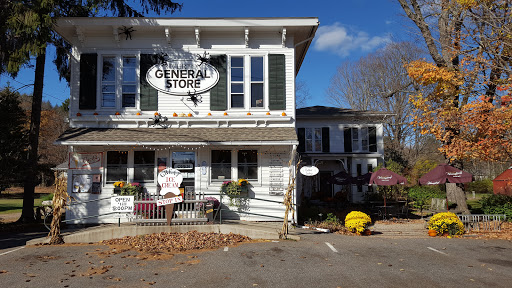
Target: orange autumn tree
479 129
463 90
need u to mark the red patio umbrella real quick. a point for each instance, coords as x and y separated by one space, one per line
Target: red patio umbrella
385 177
443 173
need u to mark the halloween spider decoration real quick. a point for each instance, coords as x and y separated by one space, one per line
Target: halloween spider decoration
194 98
159 119
162 58
127 31
205 58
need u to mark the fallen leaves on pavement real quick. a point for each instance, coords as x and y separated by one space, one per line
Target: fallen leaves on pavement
178 242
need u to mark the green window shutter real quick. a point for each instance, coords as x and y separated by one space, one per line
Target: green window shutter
347 138
372 137
88 85
301 134
277 82
148 94
219 93
325 140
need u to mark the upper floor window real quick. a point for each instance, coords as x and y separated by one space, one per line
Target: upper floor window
314 139
119 82
247 82
360 139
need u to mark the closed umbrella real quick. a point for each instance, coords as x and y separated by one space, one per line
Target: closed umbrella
443 173
341 178
385 177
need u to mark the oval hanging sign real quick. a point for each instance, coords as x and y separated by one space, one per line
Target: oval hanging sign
309 170
183 77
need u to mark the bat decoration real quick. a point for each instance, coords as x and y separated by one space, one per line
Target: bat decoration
194 98
127 31
205 58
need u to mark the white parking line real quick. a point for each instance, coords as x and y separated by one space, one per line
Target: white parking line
12 250
435 250
226 249
332 247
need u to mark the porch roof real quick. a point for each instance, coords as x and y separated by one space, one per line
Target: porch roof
179 136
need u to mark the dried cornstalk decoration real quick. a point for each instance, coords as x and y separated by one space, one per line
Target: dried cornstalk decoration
288 199
60 199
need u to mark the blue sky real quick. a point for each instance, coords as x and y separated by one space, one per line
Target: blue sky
349 29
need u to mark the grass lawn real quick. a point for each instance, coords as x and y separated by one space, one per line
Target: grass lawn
14 205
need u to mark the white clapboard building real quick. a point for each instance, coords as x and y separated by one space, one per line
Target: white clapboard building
211 97
335 140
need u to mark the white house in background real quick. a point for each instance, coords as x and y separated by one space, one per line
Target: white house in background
335 140
223 90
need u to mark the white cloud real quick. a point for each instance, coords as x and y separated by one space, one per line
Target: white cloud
339 40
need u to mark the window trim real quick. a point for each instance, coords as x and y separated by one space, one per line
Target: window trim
118 81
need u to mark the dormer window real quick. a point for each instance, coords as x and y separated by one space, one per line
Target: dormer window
119 82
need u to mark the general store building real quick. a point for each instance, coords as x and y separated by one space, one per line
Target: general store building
211 97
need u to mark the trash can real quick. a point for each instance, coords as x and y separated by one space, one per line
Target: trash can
209 211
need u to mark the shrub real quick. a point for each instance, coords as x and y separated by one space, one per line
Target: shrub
423 194
357 221
497 204
446 222
481 186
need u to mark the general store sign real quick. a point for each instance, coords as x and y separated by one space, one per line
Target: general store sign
183 77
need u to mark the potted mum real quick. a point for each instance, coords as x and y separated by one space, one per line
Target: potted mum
124 189
358 222
446 223
236 191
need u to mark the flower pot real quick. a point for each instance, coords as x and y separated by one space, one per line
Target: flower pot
432 233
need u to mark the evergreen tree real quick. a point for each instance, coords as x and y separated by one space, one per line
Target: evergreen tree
13 140
30 23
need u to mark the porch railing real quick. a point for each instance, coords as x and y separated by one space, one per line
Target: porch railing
190 211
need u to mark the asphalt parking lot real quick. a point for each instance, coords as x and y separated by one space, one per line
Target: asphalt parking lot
318 260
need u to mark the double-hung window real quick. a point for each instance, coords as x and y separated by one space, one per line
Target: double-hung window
360 139
247 164
144 166
313 139
119 82
237 82
117 164
221 165
247 85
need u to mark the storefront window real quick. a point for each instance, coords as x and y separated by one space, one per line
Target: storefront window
221 165
117 164
144 166
248 164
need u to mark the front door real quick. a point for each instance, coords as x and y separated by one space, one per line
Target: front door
185 163
325 188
